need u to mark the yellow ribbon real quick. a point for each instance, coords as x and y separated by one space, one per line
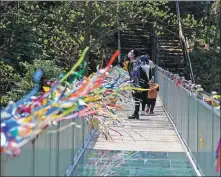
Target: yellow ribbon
134 88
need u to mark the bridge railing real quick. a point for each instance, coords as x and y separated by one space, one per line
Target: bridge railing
197 122
51 154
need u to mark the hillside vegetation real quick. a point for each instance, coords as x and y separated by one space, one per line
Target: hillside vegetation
51 35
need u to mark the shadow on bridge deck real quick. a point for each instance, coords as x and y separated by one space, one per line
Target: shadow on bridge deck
147 147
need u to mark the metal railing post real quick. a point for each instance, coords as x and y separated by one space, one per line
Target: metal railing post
58 150
212 147
164 94
83 134
197 132
50 155
188 119
33 151
73 142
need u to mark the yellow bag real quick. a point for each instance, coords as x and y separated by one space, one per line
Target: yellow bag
126 65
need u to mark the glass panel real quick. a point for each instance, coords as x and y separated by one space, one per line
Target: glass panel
132 163
42 155
205 138
193 126
65 147
22 165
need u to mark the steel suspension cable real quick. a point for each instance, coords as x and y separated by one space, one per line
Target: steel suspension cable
184 41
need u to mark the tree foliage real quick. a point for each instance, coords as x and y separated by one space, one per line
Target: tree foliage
205 68
22 84
34 33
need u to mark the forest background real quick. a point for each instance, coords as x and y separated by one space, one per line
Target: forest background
51 35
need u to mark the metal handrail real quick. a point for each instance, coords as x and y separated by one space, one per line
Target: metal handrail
51 154
196 122
195 89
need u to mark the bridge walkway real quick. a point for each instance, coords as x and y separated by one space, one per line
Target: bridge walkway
148 146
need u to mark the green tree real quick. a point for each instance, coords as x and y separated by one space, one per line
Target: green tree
21 85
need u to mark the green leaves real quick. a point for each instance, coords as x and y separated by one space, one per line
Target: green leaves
205 66
21 85
82 38
55 31
45 41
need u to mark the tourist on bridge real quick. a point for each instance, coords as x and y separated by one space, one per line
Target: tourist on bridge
126 63
152 66
149 65
150 61
138 71
146 67
152 96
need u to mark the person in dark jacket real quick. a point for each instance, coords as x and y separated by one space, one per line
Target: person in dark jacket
145 78
133 62
152 66
139 78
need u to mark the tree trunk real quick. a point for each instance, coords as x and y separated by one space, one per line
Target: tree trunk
87 34
118 33
208 23
216 33
87 43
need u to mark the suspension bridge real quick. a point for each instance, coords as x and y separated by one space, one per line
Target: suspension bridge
182 138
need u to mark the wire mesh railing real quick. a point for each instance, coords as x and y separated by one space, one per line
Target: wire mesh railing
50 154
196 120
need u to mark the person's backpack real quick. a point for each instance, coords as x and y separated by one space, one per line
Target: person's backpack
135 70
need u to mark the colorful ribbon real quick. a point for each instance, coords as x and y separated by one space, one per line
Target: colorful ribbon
70 96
